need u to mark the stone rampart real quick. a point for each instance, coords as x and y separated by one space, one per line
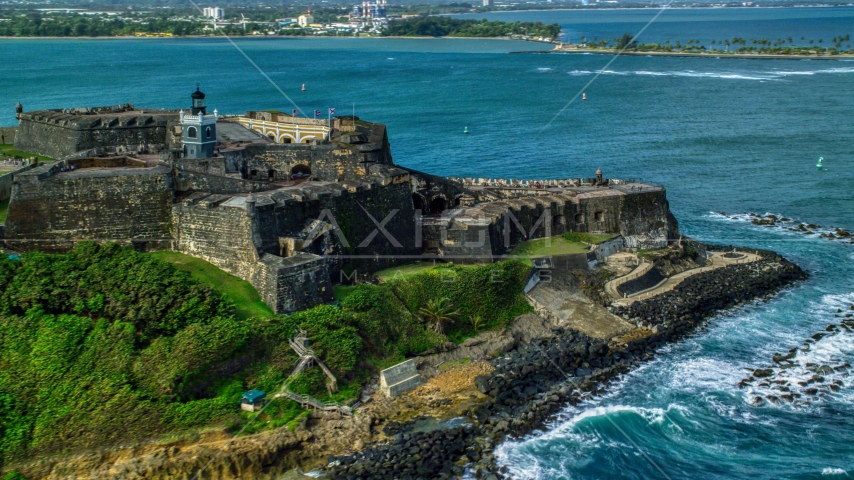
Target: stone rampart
225 230
7 179
203 182
7 135
51 210
494 228
57 134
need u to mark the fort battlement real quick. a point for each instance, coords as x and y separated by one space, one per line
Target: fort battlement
59 133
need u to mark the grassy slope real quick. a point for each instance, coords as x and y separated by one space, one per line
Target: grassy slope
246 299
406 270
543 247
9 151
4 209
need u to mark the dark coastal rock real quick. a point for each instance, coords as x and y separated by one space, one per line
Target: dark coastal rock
420 455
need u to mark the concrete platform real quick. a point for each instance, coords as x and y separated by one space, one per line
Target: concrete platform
572 309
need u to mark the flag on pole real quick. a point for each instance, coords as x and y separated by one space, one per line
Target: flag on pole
317 113
332 111
296 112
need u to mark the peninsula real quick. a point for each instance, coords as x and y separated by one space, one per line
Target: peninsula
187 292
736 47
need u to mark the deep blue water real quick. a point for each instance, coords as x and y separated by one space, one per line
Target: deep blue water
722 135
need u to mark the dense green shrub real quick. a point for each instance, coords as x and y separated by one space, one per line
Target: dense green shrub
384 323
108 281
492 292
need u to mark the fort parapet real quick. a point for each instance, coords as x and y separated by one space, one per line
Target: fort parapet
59 133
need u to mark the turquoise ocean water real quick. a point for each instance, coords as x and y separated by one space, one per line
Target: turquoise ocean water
722 135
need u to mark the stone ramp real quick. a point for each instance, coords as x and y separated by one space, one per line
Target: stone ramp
718 260
572 309
611 287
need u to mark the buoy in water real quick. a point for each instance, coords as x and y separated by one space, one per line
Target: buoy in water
303 87
466 130
584 96
818 165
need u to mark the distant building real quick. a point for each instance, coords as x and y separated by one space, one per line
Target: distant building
370 10
488 3
305 20
214 12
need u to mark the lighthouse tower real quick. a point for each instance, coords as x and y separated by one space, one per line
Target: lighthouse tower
198 129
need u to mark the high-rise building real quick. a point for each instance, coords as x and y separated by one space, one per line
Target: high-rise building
375 9
488 3
214 12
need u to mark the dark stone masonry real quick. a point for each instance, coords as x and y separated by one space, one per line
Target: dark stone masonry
295 218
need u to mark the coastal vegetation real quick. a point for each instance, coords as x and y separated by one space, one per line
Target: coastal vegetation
452 27
104 345
837 45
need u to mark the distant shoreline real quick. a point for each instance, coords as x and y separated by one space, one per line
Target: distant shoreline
607 9
752 56
270 37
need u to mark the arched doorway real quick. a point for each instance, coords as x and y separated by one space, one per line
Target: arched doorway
419 202
271 174
300 172
438 205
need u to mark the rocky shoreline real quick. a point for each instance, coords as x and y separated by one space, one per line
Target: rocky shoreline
535 381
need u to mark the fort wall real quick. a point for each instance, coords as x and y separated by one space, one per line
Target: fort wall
50 210
56 134
186 180
493 229
225 231
7 134
7 179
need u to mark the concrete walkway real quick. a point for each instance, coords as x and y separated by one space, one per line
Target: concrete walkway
718 260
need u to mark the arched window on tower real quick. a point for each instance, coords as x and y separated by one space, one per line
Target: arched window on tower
191 132
208 132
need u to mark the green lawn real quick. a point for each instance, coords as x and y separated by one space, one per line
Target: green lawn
246 299
4 208
543 247
7 150
406 270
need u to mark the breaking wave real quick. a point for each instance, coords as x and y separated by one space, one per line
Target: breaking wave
761 76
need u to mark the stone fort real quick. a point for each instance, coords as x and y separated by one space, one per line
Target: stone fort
292 205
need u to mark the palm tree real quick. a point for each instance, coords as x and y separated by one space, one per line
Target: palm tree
437 313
